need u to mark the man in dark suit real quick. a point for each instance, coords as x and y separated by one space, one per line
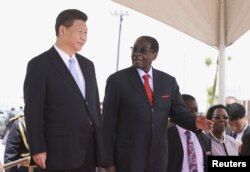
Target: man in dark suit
62 113
134 124
177 160
238 122
230 100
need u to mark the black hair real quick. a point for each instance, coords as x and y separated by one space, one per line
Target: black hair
237 110
67 17
211 110
153 41
187 97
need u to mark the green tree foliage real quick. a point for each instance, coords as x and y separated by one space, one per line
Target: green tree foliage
210 100
210 90
208 61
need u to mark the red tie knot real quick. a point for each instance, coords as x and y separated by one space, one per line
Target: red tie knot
146 76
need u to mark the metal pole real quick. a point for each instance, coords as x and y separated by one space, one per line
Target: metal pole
25 161
119 40
222 66
121 14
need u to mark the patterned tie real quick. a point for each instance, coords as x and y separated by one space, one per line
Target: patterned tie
234 135
74 73
148 89
191 153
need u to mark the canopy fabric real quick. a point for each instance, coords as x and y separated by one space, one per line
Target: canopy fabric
218 23
198 18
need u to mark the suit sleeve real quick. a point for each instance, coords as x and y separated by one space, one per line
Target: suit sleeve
110 112
14 146
34 96
179 113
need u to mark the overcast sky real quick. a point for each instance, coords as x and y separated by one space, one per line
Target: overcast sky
27 29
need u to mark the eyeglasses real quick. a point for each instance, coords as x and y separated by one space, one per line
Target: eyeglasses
142 50
221 117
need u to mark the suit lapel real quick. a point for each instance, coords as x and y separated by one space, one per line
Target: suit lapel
85 72
60 66
247 130
157 86
83 67
177 142
135 81
204 145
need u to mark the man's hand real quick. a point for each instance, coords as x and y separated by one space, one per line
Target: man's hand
239 145
110 169
40 159
204 124
1 167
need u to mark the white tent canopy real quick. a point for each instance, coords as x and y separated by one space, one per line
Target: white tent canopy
218 23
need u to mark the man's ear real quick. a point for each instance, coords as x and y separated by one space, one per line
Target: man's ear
61 30
155 55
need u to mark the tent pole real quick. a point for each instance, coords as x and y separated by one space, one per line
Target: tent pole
222 66
121 14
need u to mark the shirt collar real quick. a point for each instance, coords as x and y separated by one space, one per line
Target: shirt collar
141 72
182 130
242 132
65 57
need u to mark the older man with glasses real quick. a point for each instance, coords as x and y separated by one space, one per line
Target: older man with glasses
138 102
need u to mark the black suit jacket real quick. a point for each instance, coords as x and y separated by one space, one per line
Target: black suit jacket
136 133
176 149
246 131
57 115
245 150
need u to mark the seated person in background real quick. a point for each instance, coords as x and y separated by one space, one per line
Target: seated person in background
238 122
222 144
17 146
178 156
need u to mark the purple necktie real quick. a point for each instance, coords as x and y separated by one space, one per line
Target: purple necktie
234 135
191 153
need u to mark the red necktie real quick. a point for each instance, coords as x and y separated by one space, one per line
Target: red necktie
148 89
191 153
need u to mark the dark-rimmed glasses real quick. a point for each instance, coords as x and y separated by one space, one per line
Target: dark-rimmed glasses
142 50
221 117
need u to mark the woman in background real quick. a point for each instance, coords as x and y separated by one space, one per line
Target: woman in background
221 143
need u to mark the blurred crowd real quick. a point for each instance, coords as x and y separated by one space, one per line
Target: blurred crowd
230 135
6 114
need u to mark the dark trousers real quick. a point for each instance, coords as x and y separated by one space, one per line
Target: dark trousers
89 163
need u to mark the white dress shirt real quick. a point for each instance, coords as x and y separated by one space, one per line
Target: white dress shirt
141 73
198 150
65 57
